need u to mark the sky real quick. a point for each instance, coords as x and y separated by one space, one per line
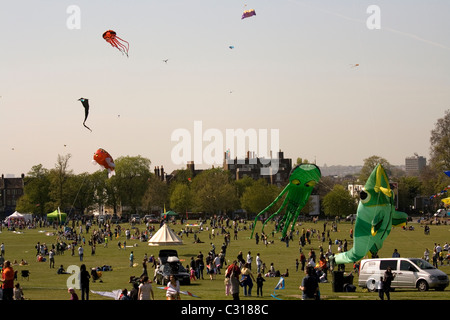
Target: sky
292 70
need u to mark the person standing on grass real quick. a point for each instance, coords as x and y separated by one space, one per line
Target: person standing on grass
144 268
145 290
310 285
233 272
173 289
131 258
7 281
387 281
259 284
380 289
80 252
247 279
258 263
84 282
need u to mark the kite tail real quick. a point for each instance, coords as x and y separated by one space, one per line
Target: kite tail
267 208
347 257
87 126
399 219
123 48
111 173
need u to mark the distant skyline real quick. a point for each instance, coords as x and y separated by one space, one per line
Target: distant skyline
336 90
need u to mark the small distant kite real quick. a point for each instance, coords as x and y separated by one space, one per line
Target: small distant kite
165 60
231 47
248 13
111 37
447 172
355 65
85 103
104 159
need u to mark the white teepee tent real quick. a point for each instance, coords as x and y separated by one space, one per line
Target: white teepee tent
164 237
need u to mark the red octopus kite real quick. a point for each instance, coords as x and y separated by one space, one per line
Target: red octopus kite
111 37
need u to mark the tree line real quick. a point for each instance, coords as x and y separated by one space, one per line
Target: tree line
136 189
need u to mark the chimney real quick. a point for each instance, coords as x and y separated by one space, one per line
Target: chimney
162 173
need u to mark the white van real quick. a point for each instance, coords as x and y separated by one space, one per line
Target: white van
409 273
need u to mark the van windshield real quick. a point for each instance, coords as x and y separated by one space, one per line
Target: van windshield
422 264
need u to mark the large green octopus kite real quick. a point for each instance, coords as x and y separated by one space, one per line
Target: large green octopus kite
302 180
375 217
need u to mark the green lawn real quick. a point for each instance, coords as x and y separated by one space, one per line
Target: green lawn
45 284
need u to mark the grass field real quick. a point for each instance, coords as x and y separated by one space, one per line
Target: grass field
45 284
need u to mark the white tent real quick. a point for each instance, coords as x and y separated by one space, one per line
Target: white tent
18 215
164 237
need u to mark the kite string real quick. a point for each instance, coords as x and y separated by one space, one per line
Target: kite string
77 195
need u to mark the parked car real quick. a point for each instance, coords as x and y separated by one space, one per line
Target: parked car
151 218
164 254
171 265
409 273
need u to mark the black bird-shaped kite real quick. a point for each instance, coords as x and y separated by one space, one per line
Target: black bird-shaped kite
85 103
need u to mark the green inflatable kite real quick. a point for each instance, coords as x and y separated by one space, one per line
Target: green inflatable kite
302 180
375 217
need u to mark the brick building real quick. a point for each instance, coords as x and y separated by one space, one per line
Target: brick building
11 189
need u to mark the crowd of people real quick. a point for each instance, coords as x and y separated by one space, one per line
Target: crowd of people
240 276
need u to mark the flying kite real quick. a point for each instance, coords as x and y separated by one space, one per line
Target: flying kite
248 13
302 180
231 47
355 65
85 103
111 37
447 172
104 159
374 219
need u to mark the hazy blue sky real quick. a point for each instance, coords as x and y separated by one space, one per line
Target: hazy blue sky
290 69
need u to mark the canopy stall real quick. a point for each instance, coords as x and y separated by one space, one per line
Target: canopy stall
57 215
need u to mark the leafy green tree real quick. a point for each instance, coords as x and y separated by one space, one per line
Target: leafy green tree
213 192
432 177
408 189
156 195
242 185
258 196
339 202
36 192
131 180
370 164
81 188
440 144
301 160
181 198
100 196
58 176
